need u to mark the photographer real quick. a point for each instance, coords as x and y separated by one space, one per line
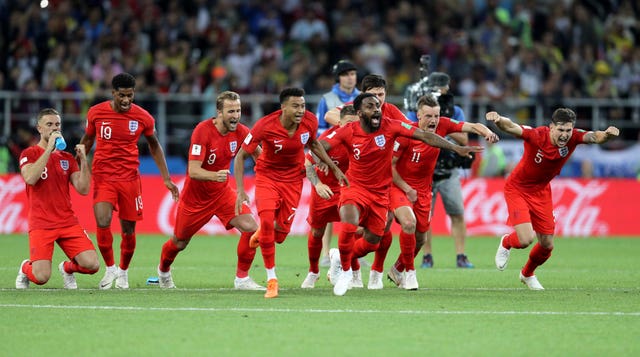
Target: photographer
446 177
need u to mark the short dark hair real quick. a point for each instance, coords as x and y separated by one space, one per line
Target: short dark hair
347 110
290 92
226 95
46 111
357 103
372 81
123 80
429 100
563 115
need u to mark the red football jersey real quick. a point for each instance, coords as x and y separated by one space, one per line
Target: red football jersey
338 155
117 134
49 199
370 154
282 157
216 152
417 160
541 161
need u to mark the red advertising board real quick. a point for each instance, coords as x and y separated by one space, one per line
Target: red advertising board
599 207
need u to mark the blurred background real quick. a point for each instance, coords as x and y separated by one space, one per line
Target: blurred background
523 58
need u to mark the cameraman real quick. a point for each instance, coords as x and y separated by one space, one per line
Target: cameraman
446 177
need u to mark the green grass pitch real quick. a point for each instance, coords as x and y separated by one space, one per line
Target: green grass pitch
591 306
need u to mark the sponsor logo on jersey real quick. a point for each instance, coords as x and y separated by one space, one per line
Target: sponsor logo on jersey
64 164
304 137
133 125
233 145
380 140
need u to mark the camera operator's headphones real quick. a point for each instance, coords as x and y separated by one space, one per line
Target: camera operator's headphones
435 82
342 66
438 80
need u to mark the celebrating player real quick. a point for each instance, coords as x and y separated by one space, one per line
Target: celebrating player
411 195
207 192
365 202
282 135
115 126
528 190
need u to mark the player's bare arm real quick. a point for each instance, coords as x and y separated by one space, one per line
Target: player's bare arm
31 172
332 117
412 194
481 130
196 172
238 174
323 190
438 141
505 124
81 180
87 141
158 156
460 138
319 150
600 137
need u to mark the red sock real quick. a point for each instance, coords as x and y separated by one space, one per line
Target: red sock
407 250
398 264
355 263
511 241
267 238
245 255
105 244
381 253
280 236
27 268
362 247
345 244
314 248
168 255
71 267
537 257
127 247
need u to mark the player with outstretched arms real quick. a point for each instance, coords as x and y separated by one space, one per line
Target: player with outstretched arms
527 190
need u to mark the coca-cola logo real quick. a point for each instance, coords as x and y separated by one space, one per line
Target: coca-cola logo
13 212
575 208
485 212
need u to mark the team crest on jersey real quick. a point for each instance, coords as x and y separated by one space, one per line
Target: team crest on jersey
304 137
233 145
64 164
564 151
380 140
133 125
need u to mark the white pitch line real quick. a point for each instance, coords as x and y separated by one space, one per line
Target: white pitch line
315 311
52 289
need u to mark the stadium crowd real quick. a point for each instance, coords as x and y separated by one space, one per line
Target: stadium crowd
490 48
495 49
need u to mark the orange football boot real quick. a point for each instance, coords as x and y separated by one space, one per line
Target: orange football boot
272 289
